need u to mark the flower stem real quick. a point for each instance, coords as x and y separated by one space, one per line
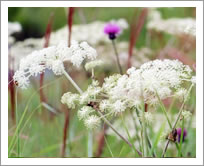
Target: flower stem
117 58
148 140
90 143
164 111
17 123
72 82
110 125
181 139
179 114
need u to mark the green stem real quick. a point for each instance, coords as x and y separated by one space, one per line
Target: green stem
129 137
164 111
72 82
90 143
136 128
117 58
148 140
179 114
181 139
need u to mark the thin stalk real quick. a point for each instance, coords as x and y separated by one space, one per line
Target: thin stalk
145 136
181 138
136 129
90 143
129 137
108 147
164 111
72 82
110 125
142 142
49 108
148 140
18 131
177 119
65 128
117 58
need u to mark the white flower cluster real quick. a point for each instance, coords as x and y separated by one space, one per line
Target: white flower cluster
52 58
153 81
92 64
81 102
158 78
174 26
91 32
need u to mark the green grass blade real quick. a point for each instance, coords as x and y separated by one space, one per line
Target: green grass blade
156 141
108 147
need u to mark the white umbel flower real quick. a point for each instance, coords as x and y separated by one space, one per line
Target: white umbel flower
155 78
93 64
148 118
84 112
119 106
70 99
104 105
181 93
186 114
92 122
53 58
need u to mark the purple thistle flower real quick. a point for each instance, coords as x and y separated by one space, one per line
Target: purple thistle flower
112 30
179 133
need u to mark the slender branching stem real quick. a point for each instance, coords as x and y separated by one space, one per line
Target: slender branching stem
110 125
48 107
148 140
178 117
17 123
90 143
117 57
72 82
181 139
164 111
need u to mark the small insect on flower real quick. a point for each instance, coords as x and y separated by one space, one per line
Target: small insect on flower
16 83
172 136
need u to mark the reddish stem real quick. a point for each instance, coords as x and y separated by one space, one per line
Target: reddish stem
46 44
12 95
135 32
101 141
66 122
146 107
70 22
66 125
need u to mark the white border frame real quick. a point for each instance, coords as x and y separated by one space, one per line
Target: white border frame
103 161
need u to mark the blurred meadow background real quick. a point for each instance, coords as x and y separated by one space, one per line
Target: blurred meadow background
52 130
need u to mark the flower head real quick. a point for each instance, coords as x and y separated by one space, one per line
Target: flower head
52 58
92 122
93 64
112 30
84 112
70 99
179 130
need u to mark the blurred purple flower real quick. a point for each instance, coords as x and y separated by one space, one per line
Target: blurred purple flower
179 134
112 30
